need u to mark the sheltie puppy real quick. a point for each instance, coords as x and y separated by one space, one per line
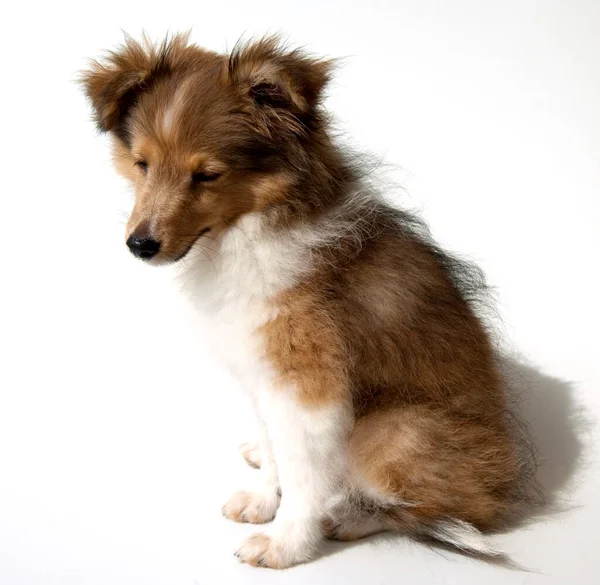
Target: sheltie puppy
358 339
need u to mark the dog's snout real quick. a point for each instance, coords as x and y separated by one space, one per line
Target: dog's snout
143 247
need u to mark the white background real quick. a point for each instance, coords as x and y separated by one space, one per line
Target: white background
118 433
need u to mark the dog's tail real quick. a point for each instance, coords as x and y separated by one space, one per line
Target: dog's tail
452 532
463 536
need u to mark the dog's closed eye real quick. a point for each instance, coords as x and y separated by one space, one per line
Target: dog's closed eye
204 177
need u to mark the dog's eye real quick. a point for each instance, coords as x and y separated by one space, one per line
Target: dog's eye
142 164
203 177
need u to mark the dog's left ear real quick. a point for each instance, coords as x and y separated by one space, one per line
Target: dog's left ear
276 78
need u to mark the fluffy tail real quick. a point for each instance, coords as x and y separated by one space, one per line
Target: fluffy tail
463 536
450 531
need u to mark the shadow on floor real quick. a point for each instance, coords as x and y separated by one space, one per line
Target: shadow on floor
557 424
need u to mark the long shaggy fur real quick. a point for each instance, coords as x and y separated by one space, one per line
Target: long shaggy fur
364 346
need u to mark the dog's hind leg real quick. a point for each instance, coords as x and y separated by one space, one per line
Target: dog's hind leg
355 527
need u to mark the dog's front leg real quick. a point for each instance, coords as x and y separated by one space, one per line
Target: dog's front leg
309 443
260 505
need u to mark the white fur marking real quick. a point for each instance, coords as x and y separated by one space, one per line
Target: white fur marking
464 536
170 118
310 449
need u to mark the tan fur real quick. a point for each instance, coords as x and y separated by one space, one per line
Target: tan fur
307 353
271 189
447 469
429 408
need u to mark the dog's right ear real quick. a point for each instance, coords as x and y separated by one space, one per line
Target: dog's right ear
114 84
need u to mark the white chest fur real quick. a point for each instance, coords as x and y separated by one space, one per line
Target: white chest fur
232 281
303 449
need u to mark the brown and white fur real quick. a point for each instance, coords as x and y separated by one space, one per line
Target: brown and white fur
372 377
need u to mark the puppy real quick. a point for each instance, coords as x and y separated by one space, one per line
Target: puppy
372 377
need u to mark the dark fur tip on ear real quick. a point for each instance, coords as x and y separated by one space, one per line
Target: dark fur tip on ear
113 84
275 76
269 94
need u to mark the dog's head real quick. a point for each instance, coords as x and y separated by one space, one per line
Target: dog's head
205 138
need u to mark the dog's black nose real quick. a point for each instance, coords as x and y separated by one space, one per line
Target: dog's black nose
144 248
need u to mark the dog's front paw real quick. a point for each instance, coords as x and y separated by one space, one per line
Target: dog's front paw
251 453
262 550
253 507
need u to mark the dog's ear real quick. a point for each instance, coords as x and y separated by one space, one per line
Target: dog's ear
114 84
279 79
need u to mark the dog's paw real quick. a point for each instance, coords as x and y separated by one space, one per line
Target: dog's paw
262 550
251 453
252 507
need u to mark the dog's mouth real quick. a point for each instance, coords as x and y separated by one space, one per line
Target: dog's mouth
202 232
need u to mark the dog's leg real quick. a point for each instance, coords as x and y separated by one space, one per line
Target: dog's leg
309 443
260 506
354 527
